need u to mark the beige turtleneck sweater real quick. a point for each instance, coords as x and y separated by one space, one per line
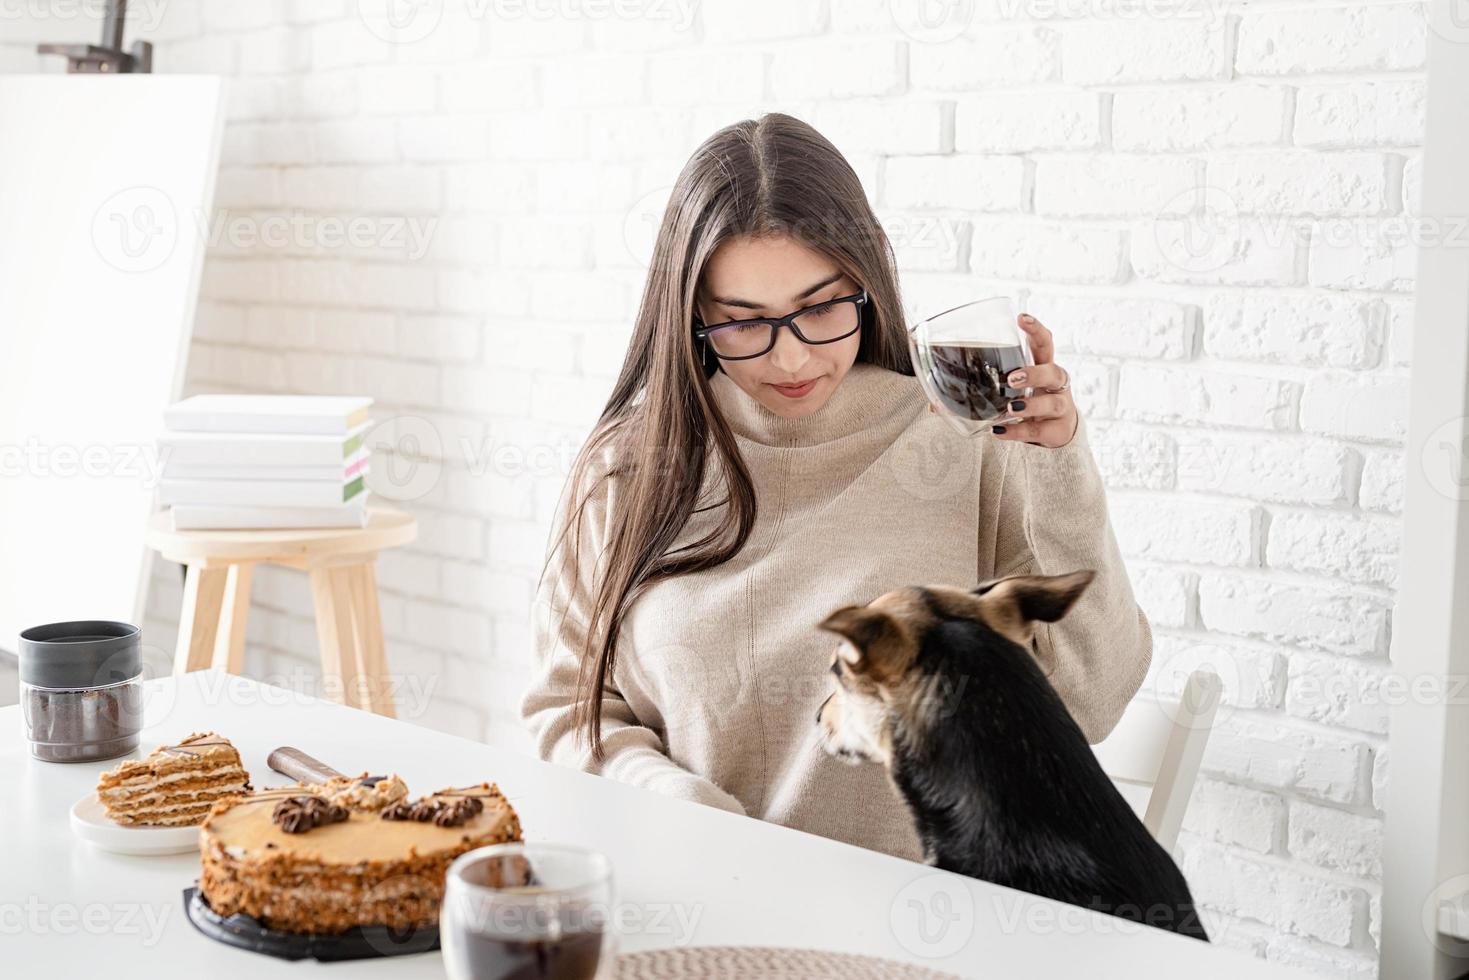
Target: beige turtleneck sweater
719 673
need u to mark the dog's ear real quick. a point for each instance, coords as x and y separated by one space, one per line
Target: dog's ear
876 643
1013 606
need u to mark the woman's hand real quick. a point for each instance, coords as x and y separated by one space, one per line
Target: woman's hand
1048 417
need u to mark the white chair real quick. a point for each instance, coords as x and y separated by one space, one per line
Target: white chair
1153 753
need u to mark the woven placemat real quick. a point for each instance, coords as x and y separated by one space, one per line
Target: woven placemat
764 963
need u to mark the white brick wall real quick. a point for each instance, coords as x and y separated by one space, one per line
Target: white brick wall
1243 366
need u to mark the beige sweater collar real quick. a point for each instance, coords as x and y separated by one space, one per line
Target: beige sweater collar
867 396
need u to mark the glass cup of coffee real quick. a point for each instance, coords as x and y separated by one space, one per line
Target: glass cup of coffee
962 358
528 912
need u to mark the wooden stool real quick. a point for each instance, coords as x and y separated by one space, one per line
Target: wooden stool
340 561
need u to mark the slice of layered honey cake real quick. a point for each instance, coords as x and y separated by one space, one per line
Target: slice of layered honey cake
176 785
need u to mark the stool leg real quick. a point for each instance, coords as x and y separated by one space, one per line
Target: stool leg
372 661
229 646
204 590
331 589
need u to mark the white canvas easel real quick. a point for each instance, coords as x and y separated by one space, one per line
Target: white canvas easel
105 182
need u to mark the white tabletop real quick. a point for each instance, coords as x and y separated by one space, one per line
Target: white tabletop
686 874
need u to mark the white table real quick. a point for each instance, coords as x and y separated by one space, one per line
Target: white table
686 874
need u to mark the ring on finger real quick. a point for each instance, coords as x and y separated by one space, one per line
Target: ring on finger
1065 383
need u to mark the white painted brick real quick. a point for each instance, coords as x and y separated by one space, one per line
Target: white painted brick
533 135
1213 248
1320 618
1279 469
1017 122
1330 39
280 326
346 44
1318 329
1165 595
1194 118
1339 692
1104 52
483 87
1305 905
254 145
1165 528
893 127
354 332
1360 114
1383 472
1356 547
439 338
1379 777
704 77
1105 325
1195 397
438 139
532 243
1335 839
758 20
1000 57
631 134
1110 185
926 241
1251 676
1020 248
526 37
320 96
839 69
971 183
1133 456
496 391
1331 768
354 141
1356 406
268 52
597 82
1413 185
1304 183
398 91
1237 816
1365 254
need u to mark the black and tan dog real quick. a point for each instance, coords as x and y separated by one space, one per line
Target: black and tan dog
940 686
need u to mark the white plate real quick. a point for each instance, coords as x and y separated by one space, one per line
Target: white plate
90 822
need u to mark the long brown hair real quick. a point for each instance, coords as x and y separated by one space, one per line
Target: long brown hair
775 175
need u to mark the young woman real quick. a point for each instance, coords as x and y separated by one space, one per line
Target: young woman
748 478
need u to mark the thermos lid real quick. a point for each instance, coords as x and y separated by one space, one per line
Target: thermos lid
80 654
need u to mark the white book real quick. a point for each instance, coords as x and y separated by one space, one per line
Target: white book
319 414
261 493
343 470
196 517
263 448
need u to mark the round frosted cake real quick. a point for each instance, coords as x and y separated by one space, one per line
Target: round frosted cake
302 862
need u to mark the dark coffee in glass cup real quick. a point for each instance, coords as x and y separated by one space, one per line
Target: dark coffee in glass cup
528 912
963 357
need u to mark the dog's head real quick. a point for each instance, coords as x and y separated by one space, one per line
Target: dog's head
885 666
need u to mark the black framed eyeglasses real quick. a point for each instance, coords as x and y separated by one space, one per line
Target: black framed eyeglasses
824 323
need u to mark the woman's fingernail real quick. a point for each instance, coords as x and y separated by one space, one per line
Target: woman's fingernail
1017 406
1017 379
998 430
1027 318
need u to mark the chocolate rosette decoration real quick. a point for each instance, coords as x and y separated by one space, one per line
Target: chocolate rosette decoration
298 814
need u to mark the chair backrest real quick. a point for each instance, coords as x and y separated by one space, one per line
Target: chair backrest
1154 751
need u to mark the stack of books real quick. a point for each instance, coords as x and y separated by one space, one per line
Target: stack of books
265 461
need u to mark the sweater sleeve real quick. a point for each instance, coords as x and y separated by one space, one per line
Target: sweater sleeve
1048 516
632 752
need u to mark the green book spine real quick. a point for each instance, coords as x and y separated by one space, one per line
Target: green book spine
351 490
